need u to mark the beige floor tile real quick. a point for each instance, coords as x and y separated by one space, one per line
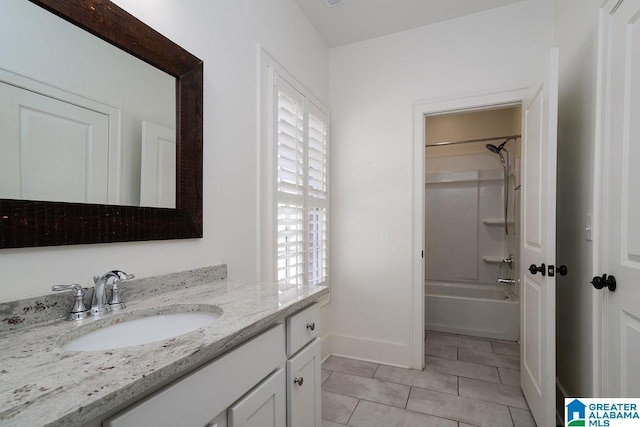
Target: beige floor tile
459 408
424 379
325 374
440 333
473 337
337 407
350 366
438 350
522 418
474 344
442 339
509 376
491 392
462 369
368 388
465 425
327 423
492 359
509 348
460 342
369 414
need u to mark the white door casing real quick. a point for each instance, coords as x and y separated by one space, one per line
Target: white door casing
420 110
158 166
538 234
621 200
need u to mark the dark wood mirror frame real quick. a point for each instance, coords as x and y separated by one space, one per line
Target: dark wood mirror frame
26 223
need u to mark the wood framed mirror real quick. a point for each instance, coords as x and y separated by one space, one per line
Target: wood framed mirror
29 223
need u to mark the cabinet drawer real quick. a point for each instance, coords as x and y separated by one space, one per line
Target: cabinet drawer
302 327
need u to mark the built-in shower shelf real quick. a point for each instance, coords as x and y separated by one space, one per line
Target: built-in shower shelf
495 221
492 259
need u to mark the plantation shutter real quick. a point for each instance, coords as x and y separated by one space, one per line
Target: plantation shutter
290 182
301 136
317 194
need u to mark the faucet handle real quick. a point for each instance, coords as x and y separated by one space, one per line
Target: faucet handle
79 310
115 302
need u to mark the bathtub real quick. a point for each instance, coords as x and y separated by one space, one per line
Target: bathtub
490 311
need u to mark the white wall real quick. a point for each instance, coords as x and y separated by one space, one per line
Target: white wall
374 85
224 35
575 32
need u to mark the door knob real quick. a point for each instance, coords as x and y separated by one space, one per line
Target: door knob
561 270
299 381
601 282
535 269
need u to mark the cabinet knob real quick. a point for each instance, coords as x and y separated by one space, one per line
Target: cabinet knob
311 326
299 381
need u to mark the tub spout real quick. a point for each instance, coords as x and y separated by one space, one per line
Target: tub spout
506 281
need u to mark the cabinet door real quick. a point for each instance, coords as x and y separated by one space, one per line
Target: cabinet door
219 421
263 406
303 387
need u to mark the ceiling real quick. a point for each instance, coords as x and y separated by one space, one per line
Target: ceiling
357 20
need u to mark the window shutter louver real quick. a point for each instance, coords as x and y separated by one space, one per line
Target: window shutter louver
290 142
317 155
317 201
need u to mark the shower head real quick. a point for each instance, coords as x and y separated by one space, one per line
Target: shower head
497 149
493 148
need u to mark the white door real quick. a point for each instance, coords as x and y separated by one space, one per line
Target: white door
51 149
538 299
621 236
158 166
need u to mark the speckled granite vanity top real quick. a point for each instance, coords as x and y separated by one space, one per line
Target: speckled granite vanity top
42 384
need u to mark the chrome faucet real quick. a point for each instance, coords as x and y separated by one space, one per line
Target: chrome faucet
100 305
506 281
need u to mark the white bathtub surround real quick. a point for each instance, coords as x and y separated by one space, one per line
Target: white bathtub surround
489 311
457 234
36 385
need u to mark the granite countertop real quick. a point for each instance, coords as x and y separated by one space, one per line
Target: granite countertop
42 384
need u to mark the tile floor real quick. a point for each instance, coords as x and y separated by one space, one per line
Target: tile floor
467 381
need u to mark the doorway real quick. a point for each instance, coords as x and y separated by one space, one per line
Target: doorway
420 112
472 222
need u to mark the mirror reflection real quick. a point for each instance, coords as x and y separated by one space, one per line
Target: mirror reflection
80 120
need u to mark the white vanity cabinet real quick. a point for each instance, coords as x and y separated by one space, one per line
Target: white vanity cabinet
303 369
273 380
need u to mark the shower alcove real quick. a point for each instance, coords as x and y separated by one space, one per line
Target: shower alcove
471 223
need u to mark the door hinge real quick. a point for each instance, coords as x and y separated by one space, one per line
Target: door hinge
422 254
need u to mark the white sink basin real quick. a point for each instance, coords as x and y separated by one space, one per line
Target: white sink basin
143 330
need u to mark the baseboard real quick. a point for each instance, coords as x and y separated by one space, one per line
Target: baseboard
387 353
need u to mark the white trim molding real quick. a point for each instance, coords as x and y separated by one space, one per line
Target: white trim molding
420 110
